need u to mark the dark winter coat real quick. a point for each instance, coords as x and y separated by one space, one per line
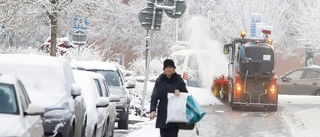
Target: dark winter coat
162 87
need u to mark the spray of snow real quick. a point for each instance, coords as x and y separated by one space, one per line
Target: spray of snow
198 35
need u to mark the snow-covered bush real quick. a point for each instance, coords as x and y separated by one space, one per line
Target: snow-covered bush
138 66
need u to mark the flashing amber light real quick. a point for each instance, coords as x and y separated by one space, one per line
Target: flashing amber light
243 34
269 41
273 89
238 87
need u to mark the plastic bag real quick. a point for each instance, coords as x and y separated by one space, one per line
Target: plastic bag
194 111
176 111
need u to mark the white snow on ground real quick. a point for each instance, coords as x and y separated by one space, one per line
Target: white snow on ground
302 122
292 99
147 129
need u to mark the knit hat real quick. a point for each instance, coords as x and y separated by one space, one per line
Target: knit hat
167 63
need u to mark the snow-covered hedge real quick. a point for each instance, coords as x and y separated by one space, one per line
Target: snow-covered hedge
74 54
138 66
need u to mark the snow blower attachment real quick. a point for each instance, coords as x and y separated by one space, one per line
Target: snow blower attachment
251 80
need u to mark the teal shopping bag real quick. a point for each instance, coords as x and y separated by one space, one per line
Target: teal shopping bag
194 111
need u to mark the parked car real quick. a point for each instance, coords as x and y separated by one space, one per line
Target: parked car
187 65
104 91
116 84
49 82
301 81
19 117
101 111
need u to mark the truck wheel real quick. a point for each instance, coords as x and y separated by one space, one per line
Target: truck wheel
273 108
230 95
123 124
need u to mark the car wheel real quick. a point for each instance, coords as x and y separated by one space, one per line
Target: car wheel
106 127
273 108
94 134
71 132
83 132
317 93
123 124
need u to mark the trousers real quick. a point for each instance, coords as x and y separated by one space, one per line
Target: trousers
169 132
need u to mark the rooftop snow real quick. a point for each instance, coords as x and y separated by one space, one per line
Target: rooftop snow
98 65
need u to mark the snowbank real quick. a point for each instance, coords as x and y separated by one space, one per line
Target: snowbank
203 96
147 129
295 99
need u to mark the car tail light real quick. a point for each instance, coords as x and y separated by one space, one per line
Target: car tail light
185 76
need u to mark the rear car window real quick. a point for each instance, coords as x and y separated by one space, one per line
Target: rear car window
311 74
8 99
96 81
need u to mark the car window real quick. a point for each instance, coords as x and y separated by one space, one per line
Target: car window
295 75
193 62
96 81
23 89
310 74
8 99
112 77
121 78
107 88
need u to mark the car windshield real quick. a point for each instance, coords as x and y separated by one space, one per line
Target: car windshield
37 78
112 77
8 101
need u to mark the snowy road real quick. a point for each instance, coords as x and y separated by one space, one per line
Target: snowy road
291 119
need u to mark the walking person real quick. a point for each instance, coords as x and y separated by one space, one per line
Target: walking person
168 82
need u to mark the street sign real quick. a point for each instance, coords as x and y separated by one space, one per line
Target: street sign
80 23
146 18
177 12
79 38
255 18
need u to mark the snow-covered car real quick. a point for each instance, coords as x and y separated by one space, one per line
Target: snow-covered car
50 83
188 63
116 84
301 81
104 91
99 107
19 117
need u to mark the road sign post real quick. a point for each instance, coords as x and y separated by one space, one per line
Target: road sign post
150 18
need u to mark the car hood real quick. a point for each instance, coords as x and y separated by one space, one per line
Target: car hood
13 124
120 91
49 100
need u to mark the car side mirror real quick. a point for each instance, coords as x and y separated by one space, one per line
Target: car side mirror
285 79
34 109
226 48
131 84
114 98
75 90
102 102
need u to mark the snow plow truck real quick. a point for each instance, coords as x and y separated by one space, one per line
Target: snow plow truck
251 79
